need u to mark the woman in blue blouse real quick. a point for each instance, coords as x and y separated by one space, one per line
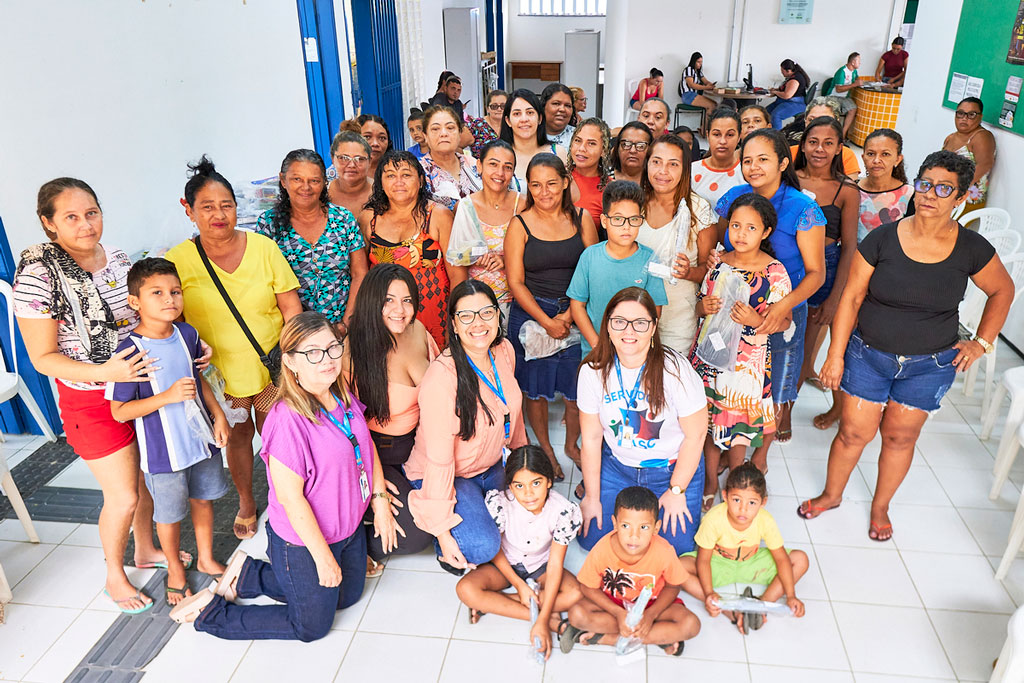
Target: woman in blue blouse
320 240
799 243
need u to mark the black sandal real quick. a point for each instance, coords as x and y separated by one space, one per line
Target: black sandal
175 591
679 649
572 635
450 569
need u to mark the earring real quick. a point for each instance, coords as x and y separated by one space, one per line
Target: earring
296 375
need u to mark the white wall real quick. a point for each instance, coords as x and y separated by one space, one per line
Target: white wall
542 39
124 97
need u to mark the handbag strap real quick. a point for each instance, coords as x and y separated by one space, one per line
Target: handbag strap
227 300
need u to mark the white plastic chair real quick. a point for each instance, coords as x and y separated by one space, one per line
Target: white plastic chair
11 384
1010 665
989 219
958 211
1016 540
1012 383
631 114
1006 242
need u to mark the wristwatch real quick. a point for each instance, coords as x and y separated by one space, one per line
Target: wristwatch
382 494
677 490
984 344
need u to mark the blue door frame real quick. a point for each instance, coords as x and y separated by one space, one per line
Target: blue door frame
496 37
375 29
319 36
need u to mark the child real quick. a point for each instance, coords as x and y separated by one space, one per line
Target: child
415 124
536 527
608 267
632 556
729 550
741 410
179 466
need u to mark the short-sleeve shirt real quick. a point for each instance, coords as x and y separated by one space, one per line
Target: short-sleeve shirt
623 581
598 277
482 134
262 274
33 292
796 212
712 183
893 63
637 437
445 189
325 461
526 537
715 529
324 270
441 100
564 138
911 308
166 442
844 76
697 76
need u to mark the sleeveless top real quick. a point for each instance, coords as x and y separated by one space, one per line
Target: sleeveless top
548 265
833 216
977 192
494 235
591 199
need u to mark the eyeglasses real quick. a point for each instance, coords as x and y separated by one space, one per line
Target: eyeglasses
638 146
640 325
619 221
942 190
345 160
494 106
969 115
486 313
315 356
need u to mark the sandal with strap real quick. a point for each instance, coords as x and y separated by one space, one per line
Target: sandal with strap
247 526
474 615
373 568
184 592
124 610
573 635
807 511
189 609
678 651
185 557
876 531
226 584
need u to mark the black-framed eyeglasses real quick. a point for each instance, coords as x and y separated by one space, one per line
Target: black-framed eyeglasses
619 221
315 356
494 106
345 160
969 115
640 325
486 313
638 146
942 190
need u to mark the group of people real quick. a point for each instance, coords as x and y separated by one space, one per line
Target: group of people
396 321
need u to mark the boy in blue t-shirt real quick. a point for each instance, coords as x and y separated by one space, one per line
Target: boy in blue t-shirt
606 268
180 466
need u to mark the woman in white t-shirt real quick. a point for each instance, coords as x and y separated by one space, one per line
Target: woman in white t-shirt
643 416
718 173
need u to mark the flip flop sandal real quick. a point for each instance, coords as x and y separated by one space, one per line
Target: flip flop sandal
124 610
783 435
722 467
373 568
189 609
454 571
185 557
708 502
875 532
807 511
752 620
474 615
679 649
572 635
736 620
580 491
175 591
231 573
247 523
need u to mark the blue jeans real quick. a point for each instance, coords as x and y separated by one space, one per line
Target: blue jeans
780 110
787 357
615 476
477 535
832 254
914 381
290 577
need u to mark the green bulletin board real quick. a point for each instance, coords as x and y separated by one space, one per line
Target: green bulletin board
989 46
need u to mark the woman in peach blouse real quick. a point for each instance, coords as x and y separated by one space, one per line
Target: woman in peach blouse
471 417
385 363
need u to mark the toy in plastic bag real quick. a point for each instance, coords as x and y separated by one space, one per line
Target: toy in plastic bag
537 343
744 604
466 244
630 648
719 339
534 652
661 264
199 422
216 381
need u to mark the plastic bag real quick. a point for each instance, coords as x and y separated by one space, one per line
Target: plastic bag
199 422
466 245
627 647
537 343
174 230
254 198
741 604
662 263
216 381
534 651
719 339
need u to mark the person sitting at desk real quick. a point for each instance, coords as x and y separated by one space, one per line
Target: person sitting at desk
448 95
789 99
693 85
977 144
892 66
845 80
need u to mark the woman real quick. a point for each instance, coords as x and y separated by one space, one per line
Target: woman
375 132
324 475
672 208
579 104
718 173
385 359
629 153
450 174
694 84
892 65
488 213
352 185
263 288
487 128
556 100
321 241
589 165
631 376
470 418
71 301
895 350
799 243
542 248
655 113
753 117
523 127
973 142
885 193
648 87
403 226
789 99
819 169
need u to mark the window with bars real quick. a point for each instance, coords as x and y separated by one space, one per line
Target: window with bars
563 8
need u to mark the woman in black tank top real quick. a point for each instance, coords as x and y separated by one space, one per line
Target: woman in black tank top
542 246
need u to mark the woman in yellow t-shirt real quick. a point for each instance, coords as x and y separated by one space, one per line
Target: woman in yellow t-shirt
262 287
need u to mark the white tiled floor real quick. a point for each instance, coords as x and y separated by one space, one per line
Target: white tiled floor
924 607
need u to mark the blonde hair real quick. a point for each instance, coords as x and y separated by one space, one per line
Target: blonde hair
296 331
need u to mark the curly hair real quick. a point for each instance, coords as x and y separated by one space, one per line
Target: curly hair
379 202
604 163
961 167
283 206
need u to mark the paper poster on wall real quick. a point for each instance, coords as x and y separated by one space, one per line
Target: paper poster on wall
974 86
1015 55
795 11
957 85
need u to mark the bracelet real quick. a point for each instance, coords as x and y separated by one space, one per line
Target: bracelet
381 494
987 346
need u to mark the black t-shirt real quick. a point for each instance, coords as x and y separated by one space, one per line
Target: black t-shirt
441 99
911 307
801 87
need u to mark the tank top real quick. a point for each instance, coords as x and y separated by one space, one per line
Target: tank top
833 217
548 265
590 199
977 192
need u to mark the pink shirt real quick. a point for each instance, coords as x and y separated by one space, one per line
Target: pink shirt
439 455
403 402
526 538
325 459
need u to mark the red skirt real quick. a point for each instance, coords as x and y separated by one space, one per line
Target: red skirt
91 430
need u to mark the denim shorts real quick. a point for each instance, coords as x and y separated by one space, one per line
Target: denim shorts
787 357
832 252
689 97
913 381
171 491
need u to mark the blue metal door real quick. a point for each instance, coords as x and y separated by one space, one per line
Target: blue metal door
323 71
375 28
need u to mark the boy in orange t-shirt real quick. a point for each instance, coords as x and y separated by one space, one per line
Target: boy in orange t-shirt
632 556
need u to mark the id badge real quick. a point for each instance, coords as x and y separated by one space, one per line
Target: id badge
364 485
505 452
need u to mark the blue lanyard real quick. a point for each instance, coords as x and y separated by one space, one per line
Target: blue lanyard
496 390
632 395
346 429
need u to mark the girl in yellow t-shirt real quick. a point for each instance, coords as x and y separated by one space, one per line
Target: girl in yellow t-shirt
729 550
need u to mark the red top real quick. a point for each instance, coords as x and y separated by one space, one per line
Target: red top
590 196
894 63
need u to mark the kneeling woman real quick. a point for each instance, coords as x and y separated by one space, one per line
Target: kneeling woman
470 418
323 474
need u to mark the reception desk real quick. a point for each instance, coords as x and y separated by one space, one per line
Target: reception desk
876 108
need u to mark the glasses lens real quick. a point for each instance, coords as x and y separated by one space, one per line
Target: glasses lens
618 324
943 190
922 186
315 355
636 221
335 350
641 324
487 313
617 221
466 317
